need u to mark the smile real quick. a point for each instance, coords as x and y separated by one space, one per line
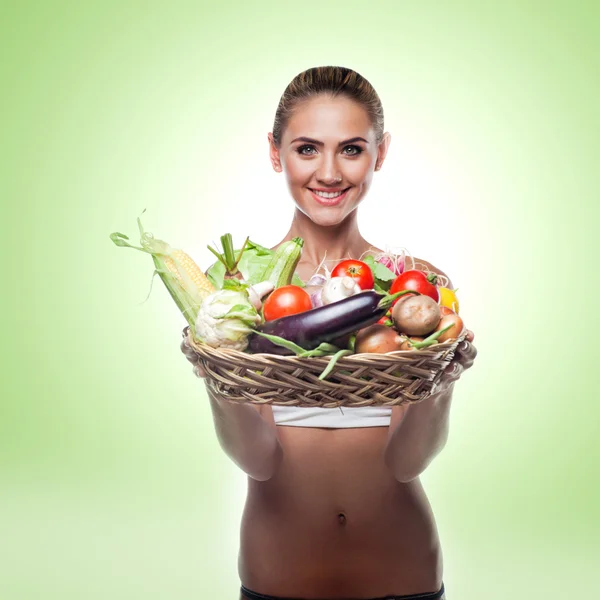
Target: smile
329 197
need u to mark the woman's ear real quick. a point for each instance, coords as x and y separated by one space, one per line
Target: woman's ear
382 150
274 154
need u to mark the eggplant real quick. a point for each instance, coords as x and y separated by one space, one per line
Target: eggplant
324 324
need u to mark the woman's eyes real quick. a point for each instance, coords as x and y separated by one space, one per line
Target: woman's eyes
354 150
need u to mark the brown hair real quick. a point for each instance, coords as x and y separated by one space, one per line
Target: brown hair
336 81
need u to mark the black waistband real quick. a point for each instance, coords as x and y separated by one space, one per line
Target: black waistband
427 596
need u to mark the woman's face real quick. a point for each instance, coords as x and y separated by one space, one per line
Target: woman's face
328 153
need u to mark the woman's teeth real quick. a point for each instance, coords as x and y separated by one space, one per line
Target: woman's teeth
328 194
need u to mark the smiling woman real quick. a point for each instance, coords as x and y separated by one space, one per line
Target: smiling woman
335 508
329 142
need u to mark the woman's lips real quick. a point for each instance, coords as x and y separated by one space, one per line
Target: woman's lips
329 201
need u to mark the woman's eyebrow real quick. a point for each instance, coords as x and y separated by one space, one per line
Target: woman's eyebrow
317 143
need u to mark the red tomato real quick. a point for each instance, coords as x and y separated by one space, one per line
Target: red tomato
284 301
417 281
386 319
358 270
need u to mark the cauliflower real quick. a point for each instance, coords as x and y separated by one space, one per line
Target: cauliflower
225 319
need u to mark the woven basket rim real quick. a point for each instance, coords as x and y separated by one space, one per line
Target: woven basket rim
290 380
349 357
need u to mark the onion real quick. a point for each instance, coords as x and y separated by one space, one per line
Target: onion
453 332
377 338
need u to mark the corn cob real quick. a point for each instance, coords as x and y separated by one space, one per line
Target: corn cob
182 277
179 262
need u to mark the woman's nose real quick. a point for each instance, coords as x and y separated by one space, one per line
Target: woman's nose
329 172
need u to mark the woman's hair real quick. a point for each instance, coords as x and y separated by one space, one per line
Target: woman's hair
335 81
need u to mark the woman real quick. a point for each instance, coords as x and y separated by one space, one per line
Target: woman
335 508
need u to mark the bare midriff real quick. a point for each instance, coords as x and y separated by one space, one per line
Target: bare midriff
334 523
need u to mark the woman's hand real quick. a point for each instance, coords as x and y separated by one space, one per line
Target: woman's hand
463 359
191 355
418 433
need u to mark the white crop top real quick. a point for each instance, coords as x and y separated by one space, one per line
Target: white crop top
333 418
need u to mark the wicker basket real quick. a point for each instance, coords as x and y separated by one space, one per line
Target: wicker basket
357 380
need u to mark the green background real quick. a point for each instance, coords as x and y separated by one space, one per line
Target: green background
112 482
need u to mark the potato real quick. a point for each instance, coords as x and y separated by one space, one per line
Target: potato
417 315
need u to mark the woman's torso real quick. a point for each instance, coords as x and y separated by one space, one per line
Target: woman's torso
333 522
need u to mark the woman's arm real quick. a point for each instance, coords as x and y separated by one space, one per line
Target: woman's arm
247 433
247 436
418 433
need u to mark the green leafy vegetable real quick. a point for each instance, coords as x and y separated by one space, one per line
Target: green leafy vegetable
254 261
383 276
234 284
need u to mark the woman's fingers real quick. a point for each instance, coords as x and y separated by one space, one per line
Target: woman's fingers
453 372
199 371
466 353
191 355
463 360
451 375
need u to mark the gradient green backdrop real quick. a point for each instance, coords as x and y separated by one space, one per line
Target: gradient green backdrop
112 483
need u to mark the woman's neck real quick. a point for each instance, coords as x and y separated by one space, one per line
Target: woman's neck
330 243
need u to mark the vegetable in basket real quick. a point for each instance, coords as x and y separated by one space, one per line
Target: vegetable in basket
338 288
226 319
359 271
419 281
418 315
285 301
383 276
252 265
228 257
378 338
448 298
416 343
186 283
280 270
326 323
453 332
392 260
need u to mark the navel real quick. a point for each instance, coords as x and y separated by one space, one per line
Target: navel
342 518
